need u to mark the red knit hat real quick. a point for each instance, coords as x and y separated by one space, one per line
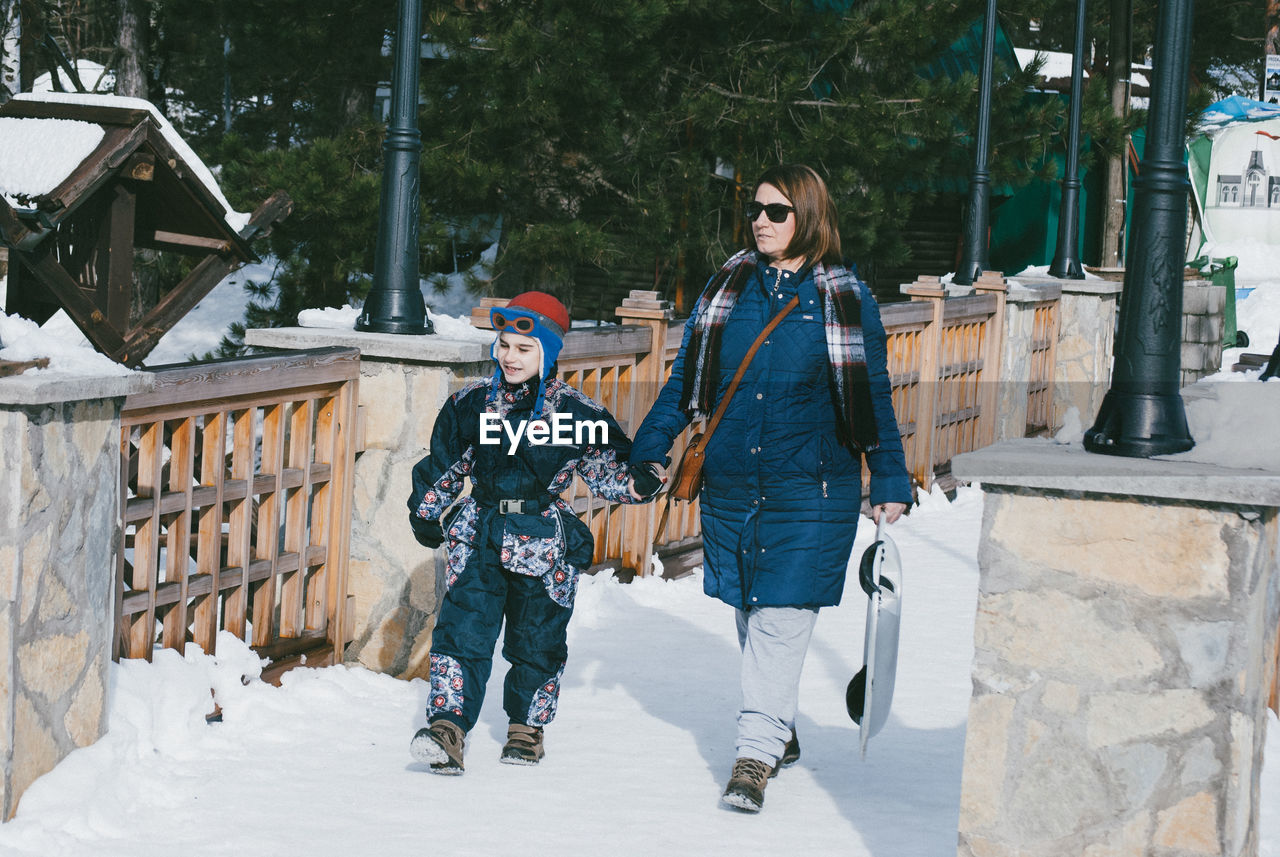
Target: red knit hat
546 306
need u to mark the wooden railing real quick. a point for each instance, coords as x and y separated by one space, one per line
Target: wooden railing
622 369
951 366
237 488
944 360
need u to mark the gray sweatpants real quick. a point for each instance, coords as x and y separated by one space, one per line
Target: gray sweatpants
774 641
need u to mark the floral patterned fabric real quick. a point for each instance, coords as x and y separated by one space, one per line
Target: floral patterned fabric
446 687
545 700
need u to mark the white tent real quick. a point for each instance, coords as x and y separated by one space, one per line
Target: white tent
1234 166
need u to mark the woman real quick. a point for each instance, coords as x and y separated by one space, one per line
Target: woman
783 489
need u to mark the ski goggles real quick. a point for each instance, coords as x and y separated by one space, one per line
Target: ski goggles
521 324
775 211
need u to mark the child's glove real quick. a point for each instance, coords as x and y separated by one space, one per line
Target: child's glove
429 533
645 478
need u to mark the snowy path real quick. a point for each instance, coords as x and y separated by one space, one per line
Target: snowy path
635 763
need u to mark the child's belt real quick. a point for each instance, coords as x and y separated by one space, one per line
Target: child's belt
507 506
519 507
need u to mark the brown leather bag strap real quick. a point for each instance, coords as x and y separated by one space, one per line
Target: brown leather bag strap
728 394
742 370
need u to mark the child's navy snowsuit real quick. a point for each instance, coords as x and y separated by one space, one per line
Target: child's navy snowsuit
514 547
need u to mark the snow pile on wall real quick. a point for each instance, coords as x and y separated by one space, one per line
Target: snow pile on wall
59 340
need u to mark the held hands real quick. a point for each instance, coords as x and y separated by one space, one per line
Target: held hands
428 532
647 479
891 511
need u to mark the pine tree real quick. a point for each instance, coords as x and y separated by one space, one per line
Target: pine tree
600 134
282 71
324 249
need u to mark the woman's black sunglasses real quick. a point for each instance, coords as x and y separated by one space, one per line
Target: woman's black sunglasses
775 211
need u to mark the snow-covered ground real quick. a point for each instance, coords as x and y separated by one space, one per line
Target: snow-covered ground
635 760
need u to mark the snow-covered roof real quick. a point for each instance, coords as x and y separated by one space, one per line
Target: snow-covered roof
1057 66
65 147
37 155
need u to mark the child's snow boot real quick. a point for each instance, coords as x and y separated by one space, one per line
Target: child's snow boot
745 790
524 745
439 745
790 754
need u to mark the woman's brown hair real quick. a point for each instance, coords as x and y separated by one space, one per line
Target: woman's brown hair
817 235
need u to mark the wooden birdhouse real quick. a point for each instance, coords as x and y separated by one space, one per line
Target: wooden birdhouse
87 181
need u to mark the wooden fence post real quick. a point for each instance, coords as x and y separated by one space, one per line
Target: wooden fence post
993 283
645 309
920 462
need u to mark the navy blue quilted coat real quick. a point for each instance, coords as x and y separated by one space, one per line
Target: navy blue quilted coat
782 494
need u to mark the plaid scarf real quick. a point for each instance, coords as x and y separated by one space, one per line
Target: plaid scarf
842 323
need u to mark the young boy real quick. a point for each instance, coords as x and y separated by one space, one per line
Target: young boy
514 547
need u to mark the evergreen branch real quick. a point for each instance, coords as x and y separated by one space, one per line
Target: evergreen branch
844 105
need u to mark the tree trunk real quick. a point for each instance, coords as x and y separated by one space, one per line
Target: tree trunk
1272 45
131 75
10 35
1118 73
356 104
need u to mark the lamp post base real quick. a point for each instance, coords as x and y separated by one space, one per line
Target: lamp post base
391 311
1139 425
1066 269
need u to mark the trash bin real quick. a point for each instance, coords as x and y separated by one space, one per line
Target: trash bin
1222 272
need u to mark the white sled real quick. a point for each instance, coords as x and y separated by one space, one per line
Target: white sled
870 693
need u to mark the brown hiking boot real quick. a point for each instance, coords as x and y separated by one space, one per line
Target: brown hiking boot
790 754
524 745
439 745
745 790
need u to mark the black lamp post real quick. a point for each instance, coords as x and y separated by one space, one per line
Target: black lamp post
977 214
395 304
1066 260
1142 414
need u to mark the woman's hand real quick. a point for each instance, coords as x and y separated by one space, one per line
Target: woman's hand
891 511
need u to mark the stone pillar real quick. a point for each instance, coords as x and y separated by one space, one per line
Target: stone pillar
60 540
1203 308
1021 302
1124 652
396 583
1086 339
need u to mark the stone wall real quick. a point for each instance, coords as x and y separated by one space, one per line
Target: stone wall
59 545
395 580
1124 654
1203 305
1087 312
